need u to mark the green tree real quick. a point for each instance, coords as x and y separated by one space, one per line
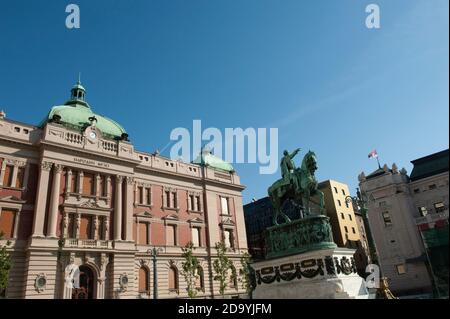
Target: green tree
222 265
5 266
246 274
190 269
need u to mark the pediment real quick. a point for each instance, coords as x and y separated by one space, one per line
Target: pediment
12 198
196 220
171 217
227 221
89 204
145 214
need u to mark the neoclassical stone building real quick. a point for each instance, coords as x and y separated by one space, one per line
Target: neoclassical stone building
74 191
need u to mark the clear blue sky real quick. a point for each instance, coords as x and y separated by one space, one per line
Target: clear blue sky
310 68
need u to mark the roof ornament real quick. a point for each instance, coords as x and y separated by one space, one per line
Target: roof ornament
394 168
2 115
93 121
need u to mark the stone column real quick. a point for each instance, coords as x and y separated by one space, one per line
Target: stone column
77 225
128 218
14 175
118 209
137 229
16 224
80 182
106 227
54 202
96 237
41 199
68 182
108 190
2 174
98 191
65 229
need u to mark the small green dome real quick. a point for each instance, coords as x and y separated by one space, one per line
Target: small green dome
76 114
208 159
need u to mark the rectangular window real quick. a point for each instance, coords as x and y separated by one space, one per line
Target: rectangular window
346 229
88 184
339 202
199 203
439 207
102 186
343 192
175 200
170 235
71 227
191 198
353 230
167 199
73 183
382 204
432 186
350 216
386 218
7 223
86 227
20 177
143 234
224 205
401 269
342 216
7 178
149 196
228 238
195 232
346 204
423 211
416 190
335 190
140 195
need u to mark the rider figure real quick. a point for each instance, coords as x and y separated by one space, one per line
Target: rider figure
288 165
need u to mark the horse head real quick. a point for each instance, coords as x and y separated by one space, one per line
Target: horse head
309 163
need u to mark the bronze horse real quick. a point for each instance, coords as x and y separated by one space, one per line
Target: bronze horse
302 186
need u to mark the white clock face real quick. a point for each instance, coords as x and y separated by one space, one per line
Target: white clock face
92 135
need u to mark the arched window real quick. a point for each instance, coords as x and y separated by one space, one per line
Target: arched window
144 279
200 282
233 278
173 279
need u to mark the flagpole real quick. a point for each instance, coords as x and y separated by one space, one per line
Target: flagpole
378 161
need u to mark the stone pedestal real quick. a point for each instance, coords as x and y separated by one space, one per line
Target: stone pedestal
328 273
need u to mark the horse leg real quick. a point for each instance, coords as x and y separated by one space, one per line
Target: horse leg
276 212
322 203
306 202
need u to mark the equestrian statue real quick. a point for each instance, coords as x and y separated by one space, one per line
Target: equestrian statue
297 185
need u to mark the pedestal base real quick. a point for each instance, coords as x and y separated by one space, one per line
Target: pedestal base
320 274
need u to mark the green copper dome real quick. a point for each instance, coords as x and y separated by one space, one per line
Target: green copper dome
77 114
208 159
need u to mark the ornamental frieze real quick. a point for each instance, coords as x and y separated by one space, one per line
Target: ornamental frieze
308 268
299 236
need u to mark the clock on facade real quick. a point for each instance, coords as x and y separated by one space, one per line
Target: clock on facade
92 135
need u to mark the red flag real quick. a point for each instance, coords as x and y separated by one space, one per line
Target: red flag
373 154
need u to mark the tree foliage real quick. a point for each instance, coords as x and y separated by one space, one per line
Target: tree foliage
5 266
189 270
222 265
246 273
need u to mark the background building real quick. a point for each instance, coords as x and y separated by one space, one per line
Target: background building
346 229
400 206
429 184
74 191
259 214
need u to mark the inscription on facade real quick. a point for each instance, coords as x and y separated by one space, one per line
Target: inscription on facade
90 162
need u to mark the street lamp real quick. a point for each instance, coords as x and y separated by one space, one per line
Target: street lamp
360 201
154 253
